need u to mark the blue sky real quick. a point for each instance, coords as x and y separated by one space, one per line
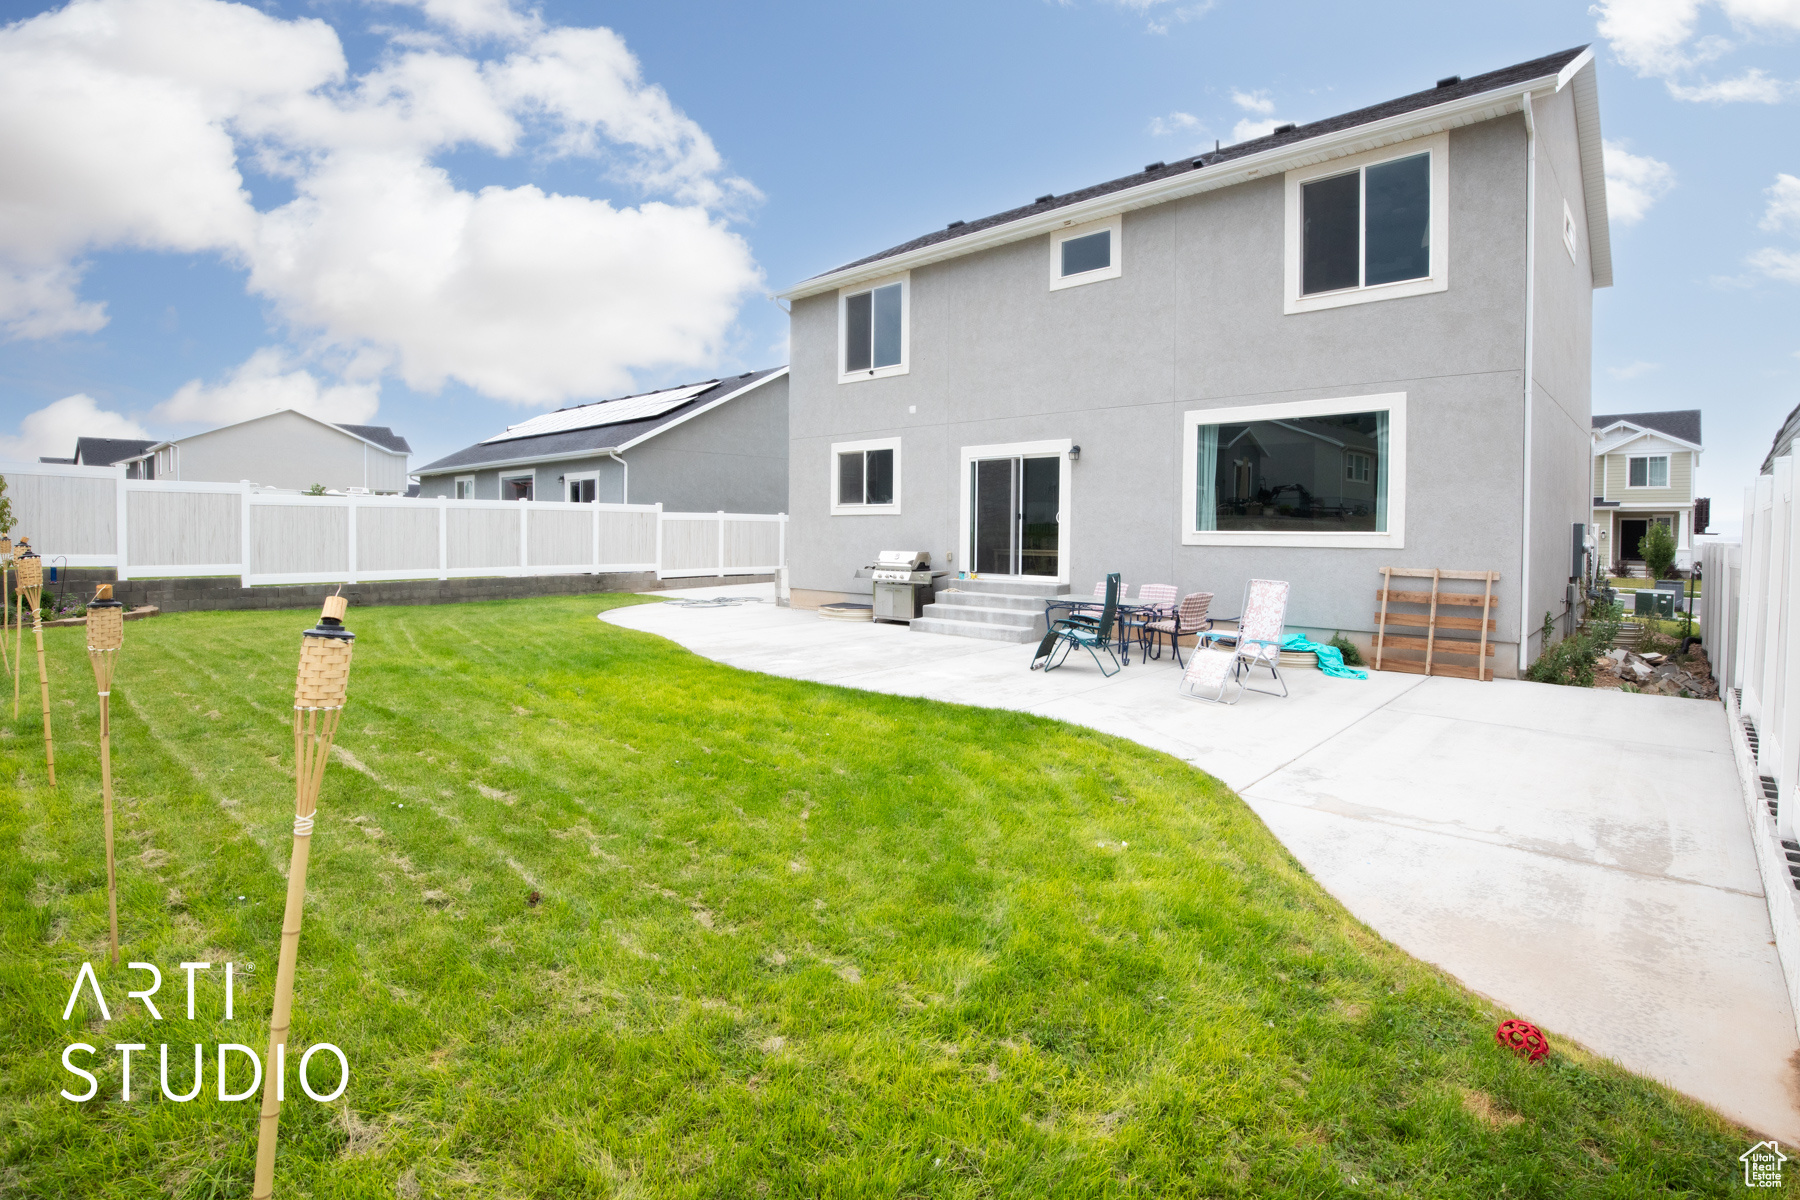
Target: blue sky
730 149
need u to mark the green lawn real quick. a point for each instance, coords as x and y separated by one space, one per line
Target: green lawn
792 941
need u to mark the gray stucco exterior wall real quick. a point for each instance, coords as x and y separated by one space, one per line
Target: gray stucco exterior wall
1196 321
287 450
733 458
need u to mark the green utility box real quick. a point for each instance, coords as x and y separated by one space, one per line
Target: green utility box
1656 604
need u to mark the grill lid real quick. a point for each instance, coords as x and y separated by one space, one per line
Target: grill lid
902 560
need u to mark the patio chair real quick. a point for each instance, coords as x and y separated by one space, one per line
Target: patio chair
1086 611
1189 619
1211 672
1078 630
1257 641
1155 601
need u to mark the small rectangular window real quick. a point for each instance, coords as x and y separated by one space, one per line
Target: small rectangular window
1367 227
465 487
1090 253
517 487
875 329
1649 471
581 491
865 476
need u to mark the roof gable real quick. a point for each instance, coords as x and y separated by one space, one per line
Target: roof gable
1682 424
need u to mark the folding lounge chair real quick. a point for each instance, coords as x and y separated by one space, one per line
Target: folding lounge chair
1078 630
1085 611
1257 643
1188 619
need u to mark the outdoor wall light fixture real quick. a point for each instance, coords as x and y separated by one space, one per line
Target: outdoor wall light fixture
1074 453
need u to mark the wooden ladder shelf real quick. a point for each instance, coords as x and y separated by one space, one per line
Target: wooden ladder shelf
1443 634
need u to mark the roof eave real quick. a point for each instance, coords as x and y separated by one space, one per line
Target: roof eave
1482 106
1580 74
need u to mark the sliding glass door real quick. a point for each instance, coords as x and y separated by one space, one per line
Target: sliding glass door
1015 507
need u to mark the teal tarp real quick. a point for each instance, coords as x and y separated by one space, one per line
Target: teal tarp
1331 660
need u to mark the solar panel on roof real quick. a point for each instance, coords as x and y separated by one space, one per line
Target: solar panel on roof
606 412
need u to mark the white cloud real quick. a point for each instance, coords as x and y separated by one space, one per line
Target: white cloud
1634 182
1634 370
1256 102
1164 15
1656 39
1777 264
267 382
1175 122
123 124
1247 128
1783 211
51 431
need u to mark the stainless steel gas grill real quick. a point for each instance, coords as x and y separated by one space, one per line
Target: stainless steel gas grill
903 583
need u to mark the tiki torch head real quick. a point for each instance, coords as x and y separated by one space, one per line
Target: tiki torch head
105 634
324 678
29 572
5 546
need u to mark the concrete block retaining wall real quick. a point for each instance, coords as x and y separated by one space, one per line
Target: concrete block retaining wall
228 592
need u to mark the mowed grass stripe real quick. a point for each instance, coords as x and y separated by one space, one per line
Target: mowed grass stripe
791 940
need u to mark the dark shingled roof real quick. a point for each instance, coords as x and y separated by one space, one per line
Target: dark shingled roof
1537 68
592 439
1683 423
104 452
1784 441
381 435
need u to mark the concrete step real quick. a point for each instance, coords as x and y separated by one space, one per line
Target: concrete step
993 600
975 629
978 614
1010 587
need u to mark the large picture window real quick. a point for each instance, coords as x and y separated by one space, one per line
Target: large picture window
1320 473
1368 227
873 324
865 477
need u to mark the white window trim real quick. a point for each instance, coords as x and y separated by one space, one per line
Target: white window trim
507 476
904 279
468 479
1058 280
1438 145
1647 486
1064 481
863 510
577 477
1393 403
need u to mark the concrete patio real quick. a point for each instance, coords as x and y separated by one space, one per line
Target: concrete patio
1581 857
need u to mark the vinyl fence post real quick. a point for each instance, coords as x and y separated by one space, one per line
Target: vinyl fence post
244 533
122 563
781 542
659 541
524 537
443 537
350 538
721 543
596 558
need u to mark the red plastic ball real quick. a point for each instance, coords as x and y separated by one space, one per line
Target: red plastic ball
1523 1038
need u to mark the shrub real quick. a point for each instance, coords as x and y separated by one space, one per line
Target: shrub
1657 549
1570 662
1352 656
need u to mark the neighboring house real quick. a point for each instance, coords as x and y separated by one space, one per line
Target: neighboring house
721 445
1302 357
1644 465
286 449
104 452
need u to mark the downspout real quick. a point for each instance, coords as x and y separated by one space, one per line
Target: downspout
625 487
1530 322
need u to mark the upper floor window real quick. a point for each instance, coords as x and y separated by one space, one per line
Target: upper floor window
1648 471
873 331
1368 227
865 477
1084 253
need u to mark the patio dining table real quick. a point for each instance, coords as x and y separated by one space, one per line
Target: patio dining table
1130 622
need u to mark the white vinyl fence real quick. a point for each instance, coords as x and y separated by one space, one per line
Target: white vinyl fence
95 517
1750 615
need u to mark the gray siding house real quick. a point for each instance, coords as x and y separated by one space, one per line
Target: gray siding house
1358 343
721 445
1644 468
286 449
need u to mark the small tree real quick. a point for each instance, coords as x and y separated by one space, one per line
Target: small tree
1657 549
6 513
317 489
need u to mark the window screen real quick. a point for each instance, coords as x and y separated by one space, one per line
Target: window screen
878 477
873 329
850 478
1092 252
1330 210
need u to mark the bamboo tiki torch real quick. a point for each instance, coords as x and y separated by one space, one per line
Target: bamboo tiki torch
319 693
105 635
6 555
31 585
19 604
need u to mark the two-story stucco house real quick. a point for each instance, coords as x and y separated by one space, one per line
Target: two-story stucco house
1356 343
1644 467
